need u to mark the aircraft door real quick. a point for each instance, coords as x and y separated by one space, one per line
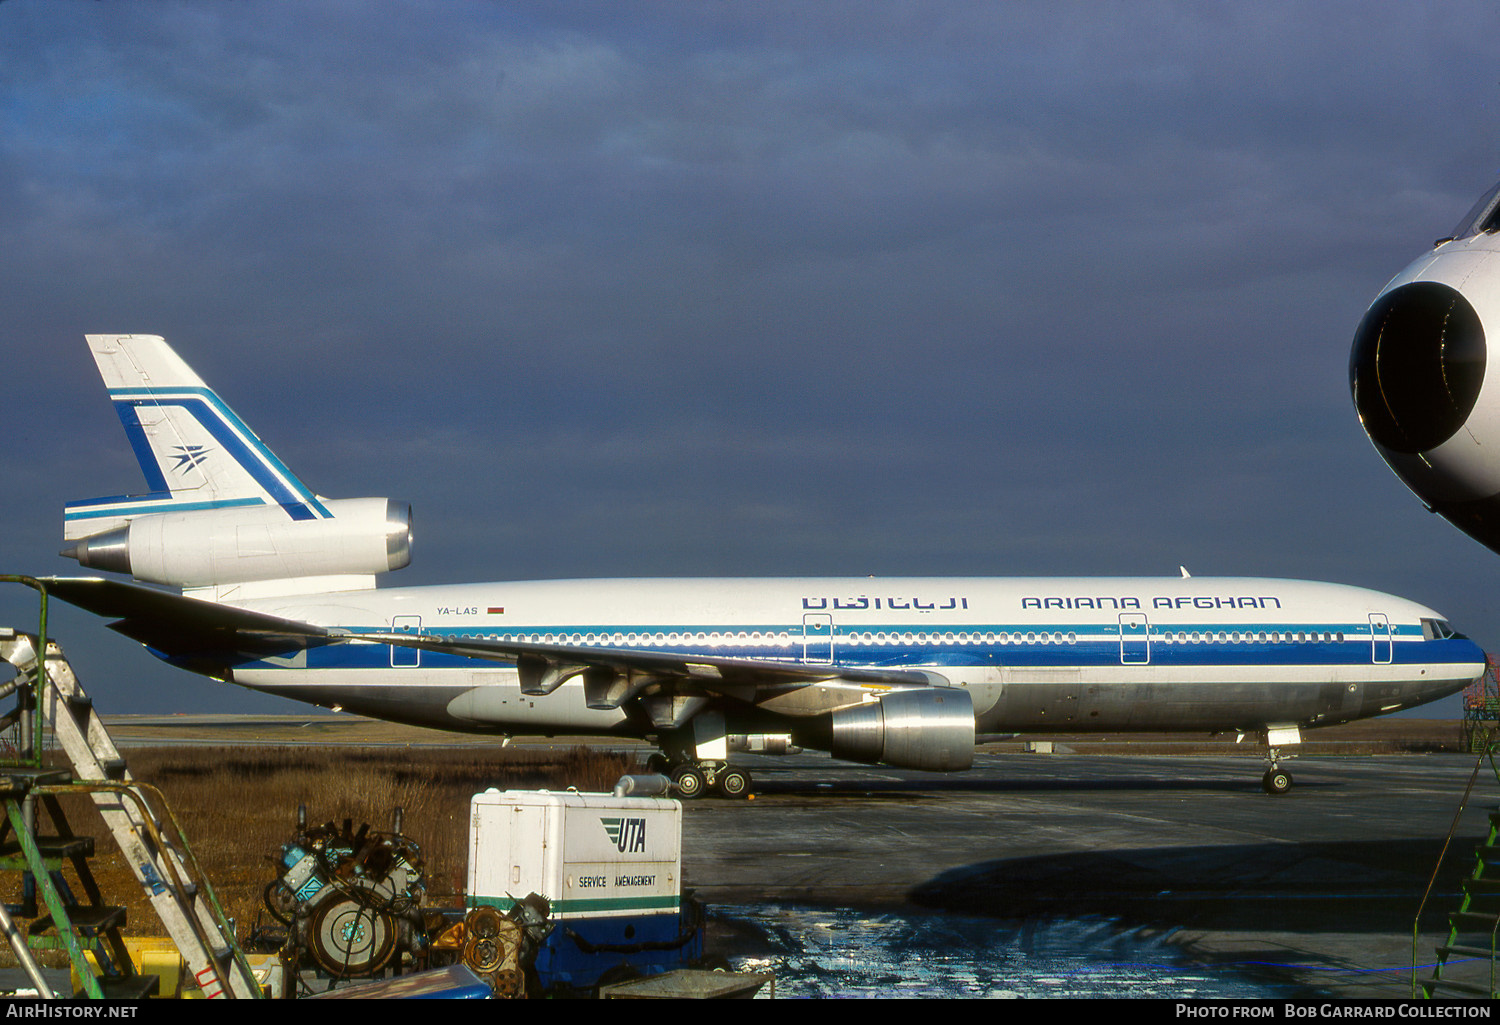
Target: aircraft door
817 638
405 658
1135 639
1380 639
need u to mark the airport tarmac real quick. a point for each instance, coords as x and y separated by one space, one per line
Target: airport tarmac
1315 891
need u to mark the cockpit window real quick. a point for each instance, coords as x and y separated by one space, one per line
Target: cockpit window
1438 630
1484 216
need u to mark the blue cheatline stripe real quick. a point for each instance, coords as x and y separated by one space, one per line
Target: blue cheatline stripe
1094 650
239 441
144 507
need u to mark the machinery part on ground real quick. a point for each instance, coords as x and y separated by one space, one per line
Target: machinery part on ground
350 900
508 984
490 940
502 948
350 939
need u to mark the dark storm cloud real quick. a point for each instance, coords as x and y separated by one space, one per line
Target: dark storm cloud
760 288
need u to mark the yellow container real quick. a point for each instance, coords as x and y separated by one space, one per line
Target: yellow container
150 955
157 955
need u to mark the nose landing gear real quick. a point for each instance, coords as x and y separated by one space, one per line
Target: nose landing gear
1277 780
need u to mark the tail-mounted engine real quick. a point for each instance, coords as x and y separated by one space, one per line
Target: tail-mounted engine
207 547
931 728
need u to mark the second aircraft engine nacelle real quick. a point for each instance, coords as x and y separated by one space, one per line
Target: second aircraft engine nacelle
207 547
929 728
1418 371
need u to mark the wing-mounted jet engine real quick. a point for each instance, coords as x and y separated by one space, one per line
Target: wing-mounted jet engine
223 510
1418 371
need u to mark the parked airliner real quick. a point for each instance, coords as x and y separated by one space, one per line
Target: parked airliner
278 594
1418 374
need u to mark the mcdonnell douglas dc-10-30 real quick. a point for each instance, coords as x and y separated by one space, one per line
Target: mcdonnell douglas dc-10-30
277 593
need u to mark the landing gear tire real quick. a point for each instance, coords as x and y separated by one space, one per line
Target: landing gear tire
1276 781
657 764
689 782
734 783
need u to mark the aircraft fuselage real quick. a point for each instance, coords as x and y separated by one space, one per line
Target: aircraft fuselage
1043 654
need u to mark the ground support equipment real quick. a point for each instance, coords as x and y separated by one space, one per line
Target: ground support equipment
47 694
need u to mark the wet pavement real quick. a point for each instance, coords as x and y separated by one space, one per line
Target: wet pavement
842 952
1165 861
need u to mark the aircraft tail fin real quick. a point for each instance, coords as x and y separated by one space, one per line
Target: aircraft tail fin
224 518
194 451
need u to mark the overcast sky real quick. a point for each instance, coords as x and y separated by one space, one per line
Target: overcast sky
764 288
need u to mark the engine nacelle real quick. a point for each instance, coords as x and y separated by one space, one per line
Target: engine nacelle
207 547
930 728
1418 374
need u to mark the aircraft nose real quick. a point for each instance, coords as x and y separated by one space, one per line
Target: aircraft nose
1417 365
1477 656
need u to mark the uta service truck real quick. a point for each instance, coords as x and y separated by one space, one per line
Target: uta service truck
611 869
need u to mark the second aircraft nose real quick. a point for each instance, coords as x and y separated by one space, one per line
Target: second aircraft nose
1417 365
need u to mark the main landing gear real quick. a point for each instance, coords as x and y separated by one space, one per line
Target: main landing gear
695 758
694 779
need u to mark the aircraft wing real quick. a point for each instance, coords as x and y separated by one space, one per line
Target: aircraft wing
179 626
543 666
182 627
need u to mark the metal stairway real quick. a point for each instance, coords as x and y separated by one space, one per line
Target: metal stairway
1466 964
134 813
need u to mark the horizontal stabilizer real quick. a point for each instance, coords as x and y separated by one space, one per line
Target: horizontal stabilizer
179 626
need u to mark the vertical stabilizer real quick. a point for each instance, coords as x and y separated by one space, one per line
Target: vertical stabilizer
194 451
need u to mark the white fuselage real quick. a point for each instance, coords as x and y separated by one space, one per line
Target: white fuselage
1059 654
